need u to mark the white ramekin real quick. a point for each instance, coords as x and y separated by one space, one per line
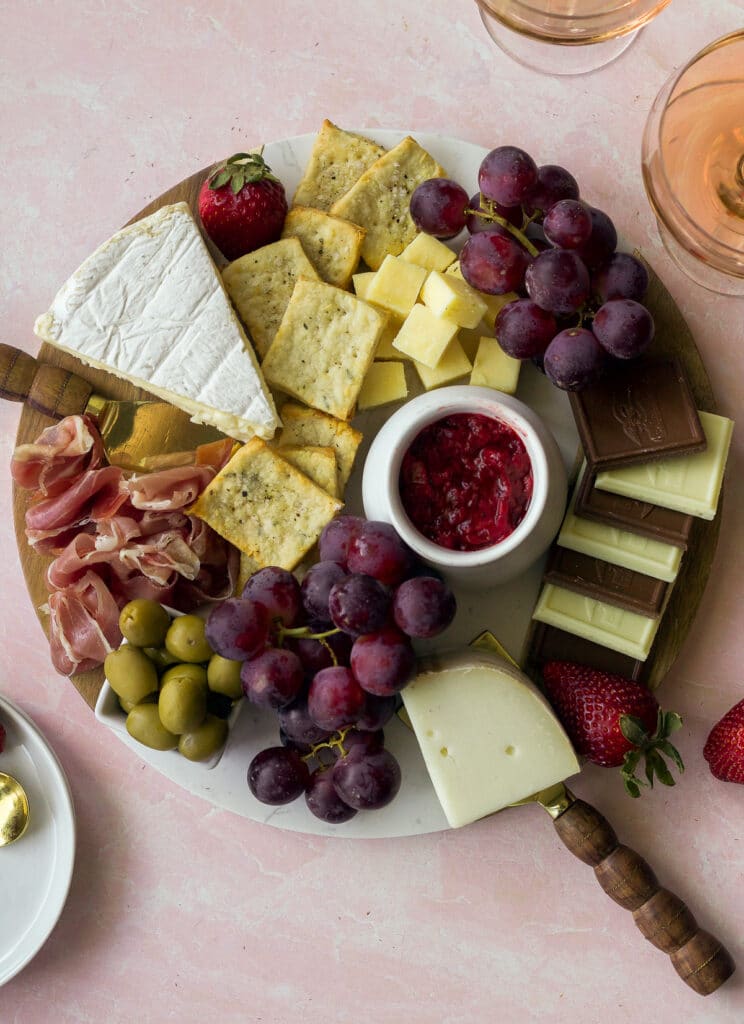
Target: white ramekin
500 562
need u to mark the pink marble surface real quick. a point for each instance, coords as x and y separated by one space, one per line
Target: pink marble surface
182 912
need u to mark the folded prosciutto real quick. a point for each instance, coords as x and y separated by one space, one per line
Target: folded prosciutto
115 537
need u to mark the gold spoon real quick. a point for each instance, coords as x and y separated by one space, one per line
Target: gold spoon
14 813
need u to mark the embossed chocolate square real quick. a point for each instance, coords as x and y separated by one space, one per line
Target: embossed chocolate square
638 413
605 582
635 516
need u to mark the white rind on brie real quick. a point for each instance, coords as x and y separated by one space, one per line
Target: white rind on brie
150 307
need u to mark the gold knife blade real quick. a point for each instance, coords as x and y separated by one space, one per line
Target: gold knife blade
135 434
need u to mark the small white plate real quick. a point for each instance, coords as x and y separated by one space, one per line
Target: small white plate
36 870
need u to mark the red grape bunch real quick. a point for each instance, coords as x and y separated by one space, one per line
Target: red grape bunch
330 657
580 302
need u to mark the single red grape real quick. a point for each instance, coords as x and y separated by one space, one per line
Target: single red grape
278 775
574 359
438 207
507 175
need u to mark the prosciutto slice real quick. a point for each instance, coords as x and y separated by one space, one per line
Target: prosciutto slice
174 488
60 453
97 494
116 538
83 625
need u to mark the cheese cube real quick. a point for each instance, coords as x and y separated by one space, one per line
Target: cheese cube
494 303
396 285
453 364
385 349
493 368
362 282
427 251
424 336
471 339
450 296
488 736
385 382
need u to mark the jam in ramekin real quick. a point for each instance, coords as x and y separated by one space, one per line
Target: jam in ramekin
466 481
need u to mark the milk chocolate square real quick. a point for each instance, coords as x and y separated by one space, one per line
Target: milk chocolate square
639 517
603 581
638 413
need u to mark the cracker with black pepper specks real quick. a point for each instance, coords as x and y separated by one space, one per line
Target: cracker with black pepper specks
379 200
303 426
331 244
324 346
265 506
337 160
261 283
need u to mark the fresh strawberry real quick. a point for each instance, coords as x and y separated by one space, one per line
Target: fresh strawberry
613 721
242 205
724 748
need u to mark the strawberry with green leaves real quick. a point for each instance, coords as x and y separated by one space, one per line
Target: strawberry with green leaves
724 748
242 205
613 721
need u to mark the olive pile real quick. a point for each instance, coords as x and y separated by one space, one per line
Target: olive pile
175 690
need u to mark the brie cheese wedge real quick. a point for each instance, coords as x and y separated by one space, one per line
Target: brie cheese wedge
149 306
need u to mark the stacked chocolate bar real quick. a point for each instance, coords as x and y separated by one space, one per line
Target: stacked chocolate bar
653 462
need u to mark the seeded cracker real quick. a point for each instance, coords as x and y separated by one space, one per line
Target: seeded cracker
324 346
378 202
338 159
304 426
331 244
261 283
265 507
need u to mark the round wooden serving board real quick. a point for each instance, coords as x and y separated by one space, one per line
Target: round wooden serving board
673 337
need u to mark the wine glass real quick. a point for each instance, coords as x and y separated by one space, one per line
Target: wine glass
693 165
566 37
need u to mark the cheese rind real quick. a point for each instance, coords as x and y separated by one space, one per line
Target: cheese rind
149 306
488 737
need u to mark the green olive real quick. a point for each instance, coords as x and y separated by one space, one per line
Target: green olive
144 725
144 622
185 639
160 657
201 743
127 705
223 676
182 704
130 673
197 673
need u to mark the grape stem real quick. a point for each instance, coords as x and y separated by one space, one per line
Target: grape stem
335 742
304 631
488 213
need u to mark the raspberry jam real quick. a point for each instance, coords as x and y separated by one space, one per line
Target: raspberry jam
466 481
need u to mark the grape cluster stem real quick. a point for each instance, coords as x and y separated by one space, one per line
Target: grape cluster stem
487 212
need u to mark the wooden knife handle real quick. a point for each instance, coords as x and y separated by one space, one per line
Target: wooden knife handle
699 958
48 389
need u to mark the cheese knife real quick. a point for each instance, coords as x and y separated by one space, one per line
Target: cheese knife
134 433
463 770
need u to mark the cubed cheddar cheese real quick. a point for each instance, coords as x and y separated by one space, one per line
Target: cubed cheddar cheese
361 282
453 364
493 368
385 382
396 285
427 251
449 296
494 303
424 336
